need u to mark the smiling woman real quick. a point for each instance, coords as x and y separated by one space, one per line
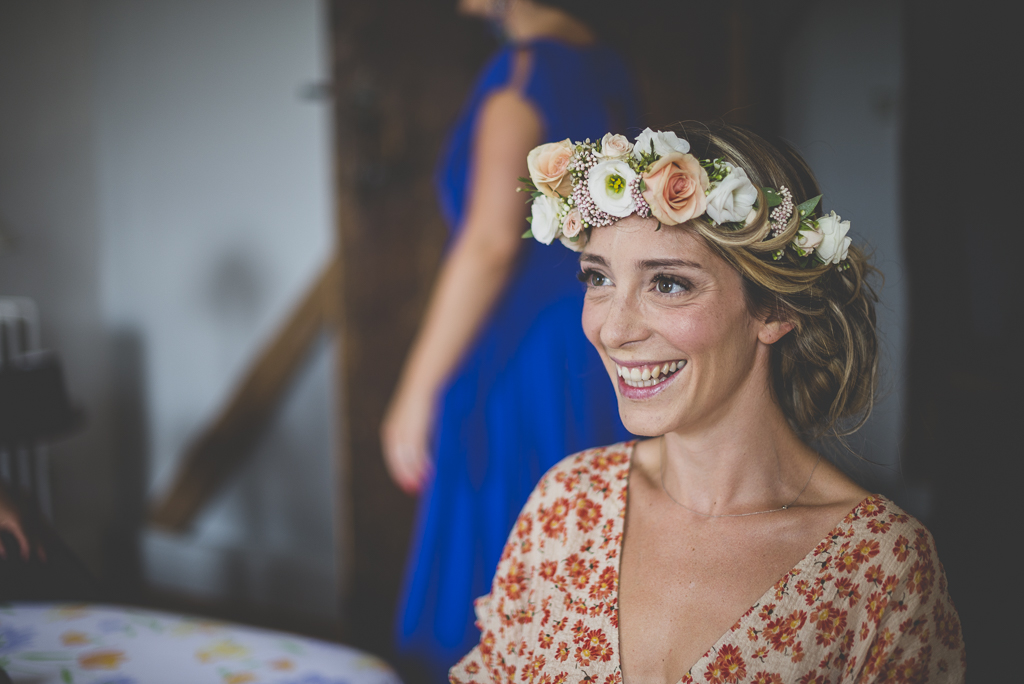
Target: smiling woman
733 319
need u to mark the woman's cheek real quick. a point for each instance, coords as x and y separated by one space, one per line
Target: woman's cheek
592 319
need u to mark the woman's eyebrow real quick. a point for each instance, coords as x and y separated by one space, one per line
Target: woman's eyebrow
593 259
655 264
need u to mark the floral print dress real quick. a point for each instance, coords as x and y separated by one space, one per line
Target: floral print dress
868 604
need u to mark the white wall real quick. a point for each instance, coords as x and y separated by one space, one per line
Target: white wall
842 89
205 173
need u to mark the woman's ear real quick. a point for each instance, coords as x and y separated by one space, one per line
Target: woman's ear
773 330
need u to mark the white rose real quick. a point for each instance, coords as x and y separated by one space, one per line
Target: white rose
545 219
834 243
609 187
665 142
733 198
614 147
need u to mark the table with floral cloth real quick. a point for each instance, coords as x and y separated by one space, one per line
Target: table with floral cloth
92 644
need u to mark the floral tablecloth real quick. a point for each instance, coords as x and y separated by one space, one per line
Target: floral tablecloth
93 644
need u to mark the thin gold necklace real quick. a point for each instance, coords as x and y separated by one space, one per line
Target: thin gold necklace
730 515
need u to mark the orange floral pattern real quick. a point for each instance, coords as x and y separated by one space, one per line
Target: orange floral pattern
868 604
108 659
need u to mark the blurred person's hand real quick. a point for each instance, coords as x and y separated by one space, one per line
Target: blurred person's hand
13 523
404 435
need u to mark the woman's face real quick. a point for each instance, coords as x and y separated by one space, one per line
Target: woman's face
670 322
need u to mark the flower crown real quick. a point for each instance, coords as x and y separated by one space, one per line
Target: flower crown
576 187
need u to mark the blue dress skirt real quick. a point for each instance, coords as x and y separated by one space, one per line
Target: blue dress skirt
531 390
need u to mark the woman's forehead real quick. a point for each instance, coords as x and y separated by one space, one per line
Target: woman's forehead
642 240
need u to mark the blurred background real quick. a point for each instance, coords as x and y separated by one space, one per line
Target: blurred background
224 212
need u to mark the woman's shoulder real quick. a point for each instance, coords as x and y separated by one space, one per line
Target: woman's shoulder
575 472
585 485
878 534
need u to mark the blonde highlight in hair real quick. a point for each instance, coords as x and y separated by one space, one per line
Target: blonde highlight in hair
824 371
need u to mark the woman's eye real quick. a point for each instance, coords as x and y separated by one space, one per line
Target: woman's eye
669 286
592 278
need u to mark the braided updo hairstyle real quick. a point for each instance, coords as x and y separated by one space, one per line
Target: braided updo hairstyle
825 371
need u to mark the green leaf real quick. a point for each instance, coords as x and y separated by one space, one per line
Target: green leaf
643 185
45 656
773 198
529 233
65 676
292 647
804 209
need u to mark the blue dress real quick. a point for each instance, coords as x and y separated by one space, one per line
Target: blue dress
532 388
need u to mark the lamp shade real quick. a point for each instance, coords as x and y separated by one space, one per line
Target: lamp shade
34 403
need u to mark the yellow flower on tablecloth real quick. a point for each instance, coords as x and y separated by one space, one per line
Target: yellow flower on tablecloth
69 612
239 678
222 650
74 638
282 664
197 626
102 660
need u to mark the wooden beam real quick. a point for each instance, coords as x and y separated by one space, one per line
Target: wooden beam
227 441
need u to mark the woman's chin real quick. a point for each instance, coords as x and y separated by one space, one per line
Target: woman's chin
647 422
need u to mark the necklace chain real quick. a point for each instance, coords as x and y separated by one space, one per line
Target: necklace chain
730 515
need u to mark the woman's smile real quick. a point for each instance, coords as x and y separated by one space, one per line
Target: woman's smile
642 379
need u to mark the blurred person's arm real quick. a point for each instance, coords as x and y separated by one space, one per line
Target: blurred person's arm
472 278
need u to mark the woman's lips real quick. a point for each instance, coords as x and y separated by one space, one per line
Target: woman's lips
644 380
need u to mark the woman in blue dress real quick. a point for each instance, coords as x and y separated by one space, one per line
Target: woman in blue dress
500 382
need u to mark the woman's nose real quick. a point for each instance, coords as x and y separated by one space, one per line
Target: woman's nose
624 324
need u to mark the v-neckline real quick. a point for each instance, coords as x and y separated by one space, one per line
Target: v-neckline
807 559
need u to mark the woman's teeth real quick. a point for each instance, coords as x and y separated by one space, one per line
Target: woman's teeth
647 376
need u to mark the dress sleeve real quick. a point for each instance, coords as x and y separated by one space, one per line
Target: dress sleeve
471 669
485 664
918 637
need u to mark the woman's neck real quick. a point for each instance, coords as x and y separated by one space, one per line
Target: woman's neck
527 21
749 460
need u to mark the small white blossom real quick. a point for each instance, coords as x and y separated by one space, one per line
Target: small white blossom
609 187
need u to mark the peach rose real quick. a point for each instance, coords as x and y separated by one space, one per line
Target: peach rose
675 188
572 224
549 168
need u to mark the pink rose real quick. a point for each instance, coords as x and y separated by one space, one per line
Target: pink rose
675 188
614 147
573 223
549 168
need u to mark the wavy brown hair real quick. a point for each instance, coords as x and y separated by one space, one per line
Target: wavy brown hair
825 371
